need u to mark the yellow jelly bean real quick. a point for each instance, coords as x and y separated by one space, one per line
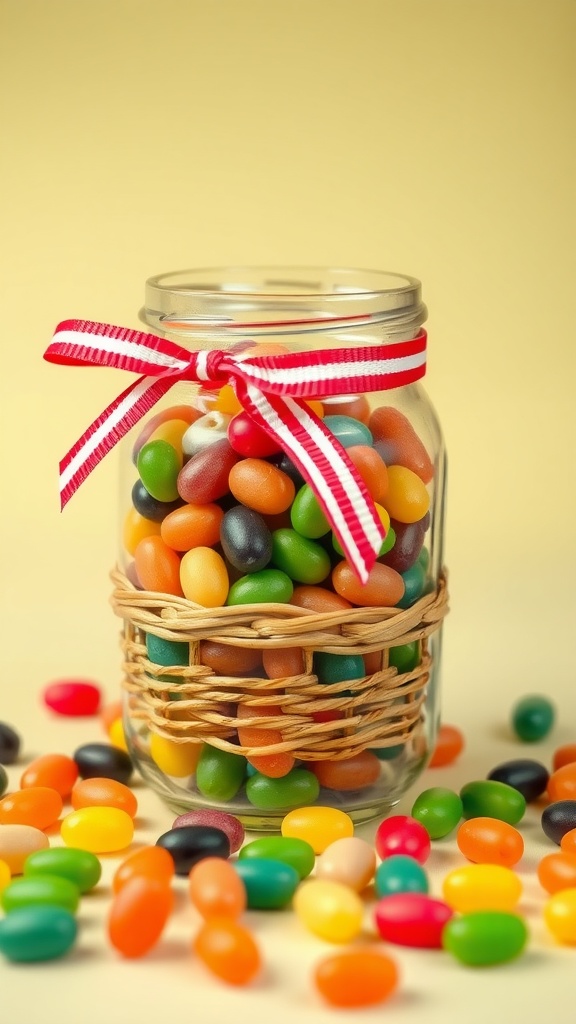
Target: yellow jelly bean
407 499
482 887
318 826
330 910
5 874
204 577
98 829
116 734
171 431
560 916
136 528
172 758
227 401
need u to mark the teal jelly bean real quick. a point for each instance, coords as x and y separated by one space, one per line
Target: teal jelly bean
439 810
484 937
348 430
387 753
166 652
80 867
487 798
405 657
219 773
306 515
424 559
296 852
159 465
270 884
297 789
42 889
259 587
338 668
37 933
400 873
299 557
3 780
532 718
386 545
414 585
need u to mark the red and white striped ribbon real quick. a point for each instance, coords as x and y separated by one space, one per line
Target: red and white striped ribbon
272 389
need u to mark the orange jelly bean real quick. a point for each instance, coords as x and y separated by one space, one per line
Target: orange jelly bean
568 841
38 806
216 889
96 792
261 486
275 765
557 871
158 566
192 526
149 862
562 783
407 499
564 755
138 915
355 406
449 745
54 771
385 586
355 772
356 977
490 841
398 442
317 599
228 950
371 468
283 661
230 661
136 528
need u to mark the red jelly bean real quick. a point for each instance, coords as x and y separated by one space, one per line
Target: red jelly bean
54 771
227 823
412 919
138 915
402 834
38 806
73 697
248 439
204 478
449 745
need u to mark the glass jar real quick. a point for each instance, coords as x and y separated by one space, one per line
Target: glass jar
259 673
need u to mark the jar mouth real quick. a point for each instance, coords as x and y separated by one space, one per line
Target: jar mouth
267 300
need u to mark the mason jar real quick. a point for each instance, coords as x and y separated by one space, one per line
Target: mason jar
266 666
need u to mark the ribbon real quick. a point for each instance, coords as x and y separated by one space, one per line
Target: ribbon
272 390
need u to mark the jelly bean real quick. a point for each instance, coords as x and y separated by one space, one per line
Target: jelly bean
407 547
295 852
329 909
389 538
138 915
560 916
307 516
400 873
350 861
318 826
204 478
110 712
438 809
532 718
557 871
372 469
216 889
204 577
45 890
37 933
270 884
80 867
95 792
150 508
152 862
557 819
349 431
158 566
168 653
406 498
412 919
292 790
485 937
17 842
568 841
385 587
9 744
355 406
562 755
3 781
159 465
356 978
173 432
250 440
481 887
401 833
219 773
399 443
206 430
486 840
136 528
56 771
228 950
337 668
97 829
230 661
414 585
388 753
178 760
192 526
5 875
117 736
279 662
274 765
102 761
38 806
175 412
261 486
347 774
529 777
284 463
562 783
73 697
449 746
226 401
491 799
317 599
190 844
260 587
405 657
227 823
245 538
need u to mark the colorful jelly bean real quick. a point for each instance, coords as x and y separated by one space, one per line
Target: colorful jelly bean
303 560
562 783
490 799
565 754
274 765
400 833
307 516
204 478
348 430
177 760
192 843
532 718
149 508
227 823
412 919
74 697
372 469
529 777
298 787
270 884
158 566
560 916
136 528
248 439
261 486
245 538
43 890
407 499
337 668
219 773
56 771
228 660
329 909
9 744
400 873
355 406
407 547
80 867
117 736
283 661
568 841
38 806
95 792
98 829
350 861
174 412
229 951
216 889
3 781
449 746
557 871
295 852
389 534
318 826
158 466
110 712
347 774
486 840
557 819
5 875
37 933
152 862
101 760
385 587
398 443
138 915
485 937
481 887
206 430
439 810
192 526
17 842
414 585
263 586
356 978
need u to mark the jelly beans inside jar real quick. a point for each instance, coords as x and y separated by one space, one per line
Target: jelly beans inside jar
280 574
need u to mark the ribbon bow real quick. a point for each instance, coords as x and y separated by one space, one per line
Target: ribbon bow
272 390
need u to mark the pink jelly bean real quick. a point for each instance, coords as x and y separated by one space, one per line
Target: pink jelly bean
412 919
402 834
73 697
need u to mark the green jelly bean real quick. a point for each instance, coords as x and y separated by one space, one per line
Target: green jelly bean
219 774
348 430
424 559
259 587
80 867
400 873
37 933
439 810
386 545
166 652
295 852
297 789
414 585
306 515
300 558
387 753
41 889
159 465
487 798
405 657
270 884
338 668
484 937
532 718
3 780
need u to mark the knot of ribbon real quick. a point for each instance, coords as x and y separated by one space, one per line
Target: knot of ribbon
273 391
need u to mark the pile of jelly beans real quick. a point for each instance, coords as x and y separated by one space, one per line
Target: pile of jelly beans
360 899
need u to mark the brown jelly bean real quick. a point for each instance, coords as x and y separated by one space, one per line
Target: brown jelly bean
384 587
204 478
261 486
230 661
398 443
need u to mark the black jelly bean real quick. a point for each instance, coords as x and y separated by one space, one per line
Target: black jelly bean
529 777
103 761
285 463
150 507
407 546
191 843
3 781
246 540
9 744
559 818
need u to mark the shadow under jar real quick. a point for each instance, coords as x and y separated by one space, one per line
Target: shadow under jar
260 675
